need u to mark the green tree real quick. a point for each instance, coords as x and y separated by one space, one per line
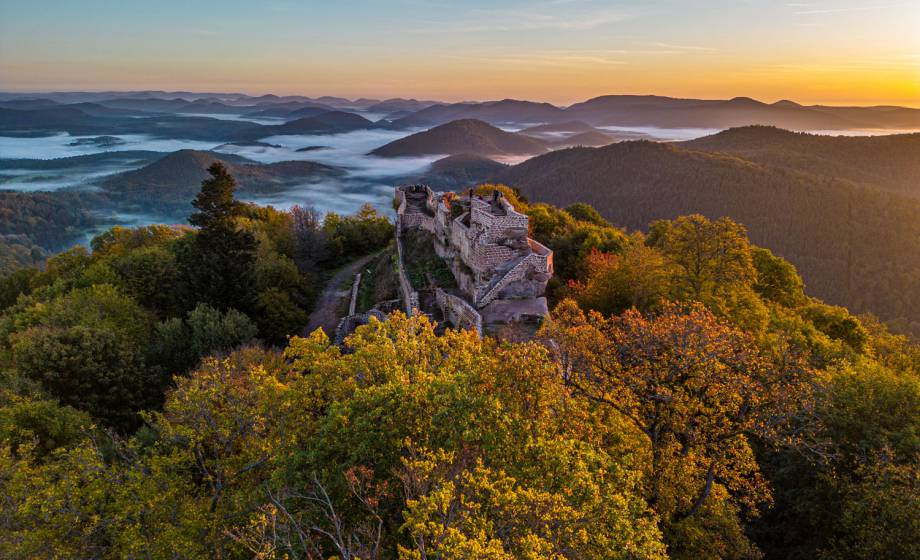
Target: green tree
14 285
217 262
90 368
40 424
362 233
279 317
777 279
710 258
586 213
205 331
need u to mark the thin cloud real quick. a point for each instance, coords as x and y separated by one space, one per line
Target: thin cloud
671 46
814 10
492 21
555 59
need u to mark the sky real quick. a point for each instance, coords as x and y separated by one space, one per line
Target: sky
561 51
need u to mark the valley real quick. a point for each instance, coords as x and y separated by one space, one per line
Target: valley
820 200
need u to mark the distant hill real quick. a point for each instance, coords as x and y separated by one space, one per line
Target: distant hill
495 112
291 110
149 104
97 110
208 107
461 171
27 103
606 110
329 122
63 118
667 112
399 104
465 136
317 111
577 133
889 162
334 101
592 138
88 160
854 245
39 121
177 177
176 126
568 127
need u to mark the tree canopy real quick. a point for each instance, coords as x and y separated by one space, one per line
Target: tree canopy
685 399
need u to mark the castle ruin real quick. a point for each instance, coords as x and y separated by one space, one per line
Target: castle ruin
500 273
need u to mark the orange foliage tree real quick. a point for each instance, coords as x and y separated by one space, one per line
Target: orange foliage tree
698 390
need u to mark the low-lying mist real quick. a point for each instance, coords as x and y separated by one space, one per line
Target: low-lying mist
365 178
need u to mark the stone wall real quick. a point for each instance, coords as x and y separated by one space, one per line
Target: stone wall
458 312
407 293
353 300
498 227
488 258
349 323
418 221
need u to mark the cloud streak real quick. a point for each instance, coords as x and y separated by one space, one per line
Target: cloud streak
494 21
816 9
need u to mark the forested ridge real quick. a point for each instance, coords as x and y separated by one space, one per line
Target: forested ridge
463 136
855 244
30 222
685 400
888 162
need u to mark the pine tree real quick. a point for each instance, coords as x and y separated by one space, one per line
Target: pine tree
218 263
217 208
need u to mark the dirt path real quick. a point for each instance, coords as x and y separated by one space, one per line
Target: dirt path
326 312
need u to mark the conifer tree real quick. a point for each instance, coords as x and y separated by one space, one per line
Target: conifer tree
219 261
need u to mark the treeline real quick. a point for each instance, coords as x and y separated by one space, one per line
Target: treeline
686 400
32 222
18 251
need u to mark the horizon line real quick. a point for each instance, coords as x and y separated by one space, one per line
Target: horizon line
856 103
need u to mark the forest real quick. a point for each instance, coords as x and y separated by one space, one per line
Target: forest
686 400
856 244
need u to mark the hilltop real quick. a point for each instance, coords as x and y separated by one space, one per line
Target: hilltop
465 136
592 138
177 176
461 171
495 112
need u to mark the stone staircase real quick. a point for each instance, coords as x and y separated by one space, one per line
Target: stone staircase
515 273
